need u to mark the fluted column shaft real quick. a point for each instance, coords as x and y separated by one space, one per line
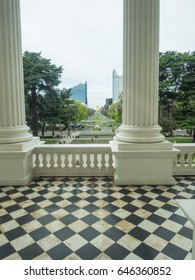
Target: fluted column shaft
140 72
12 106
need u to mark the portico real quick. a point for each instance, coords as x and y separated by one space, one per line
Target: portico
69 207
140 151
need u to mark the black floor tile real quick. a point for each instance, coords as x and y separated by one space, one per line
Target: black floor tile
6 250
13 208
187 232
164 233
63 234
112 219
117 252
59 252
32 208
24 219
146 252
89 233
139 233
134 219
130 208
14 233
90 219
39 233
5 218
150 208
174 252
46 219
156 219
88 252
69 219
114 233
178 219
31 252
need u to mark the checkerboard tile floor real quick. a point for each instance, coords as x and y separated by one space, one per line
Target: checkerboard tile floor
91 218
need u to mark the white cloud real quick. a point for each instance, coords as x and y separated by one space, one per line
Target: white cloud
177 25
85 36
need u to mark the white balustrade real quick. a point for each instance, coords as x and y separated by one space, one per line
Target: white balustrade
96 160
184 163
73 160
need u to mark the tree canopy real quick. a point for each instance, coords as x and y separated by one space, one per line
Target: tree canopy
46 104
177 90
40 77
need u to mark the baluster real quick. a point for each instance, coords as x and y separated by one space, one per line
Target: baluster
182 159
190 159
103 161
58 160
52 160
110 161
44 160
66 161
37 160
88 160
95 162
193 158
176 160
62 160
84 160
76 161
81 160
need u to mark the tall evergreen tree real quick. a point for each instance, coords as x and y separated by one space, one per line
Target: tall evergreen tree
40 76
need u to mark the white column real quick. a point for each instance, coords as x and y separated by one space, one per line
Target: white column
142 156
140 72
13 127
16 143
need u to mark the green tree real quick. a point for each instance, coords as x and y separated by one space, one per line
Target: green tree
40 77
170 75
114 111
82 111
185 106
49 110
68 109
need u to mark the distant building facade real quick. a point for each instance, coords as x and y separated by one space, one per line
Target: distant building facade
79 92
117 85
108 102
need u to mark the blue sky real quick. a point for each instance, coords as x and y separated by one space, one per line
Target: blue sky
85 37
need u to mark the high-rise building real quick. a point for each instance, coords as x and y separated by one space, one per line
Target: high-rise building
117 85
79 92
108 102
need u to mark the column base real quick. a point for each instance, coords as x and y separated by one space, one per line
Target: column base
141 164
16 162
137 134
16 134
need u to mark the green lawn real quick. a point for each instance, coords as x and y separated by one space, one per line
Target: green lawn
180 139
86 141
50 140
105 141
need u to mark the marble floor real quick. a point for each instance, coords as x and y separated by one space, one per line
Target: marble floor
90 218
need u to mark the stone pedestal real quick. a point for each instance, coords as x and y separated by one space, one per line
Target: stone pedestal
16 162
140 164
